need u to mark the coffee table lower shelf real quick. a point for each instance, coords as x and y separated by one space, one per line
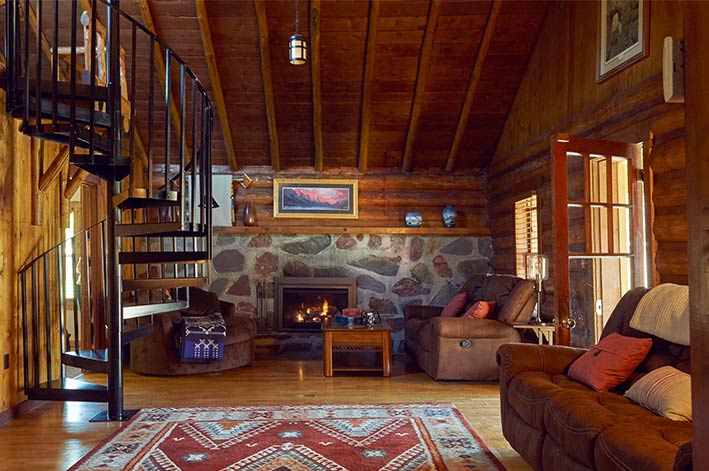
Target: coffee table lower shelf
348 349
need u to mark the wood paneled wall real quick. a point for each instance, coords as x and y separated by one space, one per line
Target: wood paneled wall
20 241
560 94
384 200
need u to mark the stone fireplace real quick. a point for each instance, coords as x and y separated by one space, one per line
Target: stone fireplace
301 302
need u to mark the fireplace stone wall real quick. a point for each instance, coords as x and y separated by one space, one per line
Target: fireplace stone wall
391 271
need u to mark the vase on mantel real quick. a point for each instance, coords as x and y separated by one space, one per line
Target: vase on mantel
449 215
249 214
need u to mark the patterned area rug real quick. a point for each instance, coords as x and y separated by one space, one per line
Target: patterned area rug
389 437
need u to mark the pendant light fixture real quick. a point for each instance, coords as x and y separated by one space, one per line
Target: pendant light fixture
297 44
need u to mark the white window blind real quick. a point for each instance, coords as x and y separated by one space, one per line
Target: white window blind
526 232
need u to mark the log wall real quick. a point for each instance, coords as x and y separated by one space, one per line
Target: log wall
559 93
384 200
20 241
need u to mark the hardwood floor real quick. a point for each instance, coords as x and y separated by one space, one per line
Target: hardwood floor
53 436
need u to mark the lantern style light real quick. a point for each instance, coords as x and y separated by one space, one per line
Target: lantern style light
297 44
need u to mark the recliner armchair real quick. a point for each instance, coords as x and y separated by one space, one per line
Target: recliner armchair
464 348
156 353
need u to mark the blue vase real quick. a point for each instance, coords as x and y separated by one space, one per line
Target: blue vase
413 219
449 215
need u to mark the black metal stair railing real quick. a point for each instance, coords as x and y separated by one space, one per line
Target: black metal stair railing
144 129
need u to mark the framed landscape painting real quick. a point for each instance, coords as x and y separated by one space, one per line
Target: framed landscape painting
311 198
624 35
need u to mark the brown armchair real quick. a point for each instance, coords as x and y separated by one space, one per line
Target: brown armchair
156 353
465 348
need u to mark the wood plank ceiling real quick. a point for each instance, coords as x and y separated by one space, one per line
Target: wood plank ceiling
414 85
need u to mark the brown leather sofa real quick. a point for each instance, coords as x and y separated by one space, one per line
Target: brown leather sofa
464 348
156 353
556 423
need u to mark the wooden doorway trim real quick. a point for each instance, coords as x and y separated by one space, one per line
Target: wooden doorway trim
696 35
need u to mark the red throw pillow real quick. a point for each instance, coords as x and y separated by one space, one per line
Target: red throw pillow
455 305
610 362
480 310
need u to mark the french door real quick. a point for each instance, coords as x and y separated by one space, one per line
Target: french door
598 228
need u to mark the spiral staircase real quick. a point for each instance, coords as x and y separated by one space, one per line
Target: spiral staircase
84 74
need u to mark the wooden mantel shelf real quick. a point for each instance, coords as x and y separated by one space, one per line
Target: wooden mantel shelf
443 231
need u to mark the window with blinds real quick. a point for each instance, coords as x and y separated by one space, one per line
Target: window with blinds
526 232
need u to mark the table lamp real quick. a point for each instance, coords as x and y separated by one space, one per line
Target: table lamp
537 270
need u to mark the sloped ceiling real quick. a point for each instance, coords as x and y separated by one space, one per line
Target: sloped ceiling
411 85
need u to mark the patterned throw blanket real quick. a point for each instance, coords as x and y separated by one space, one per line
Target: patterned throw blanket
202 338
664 312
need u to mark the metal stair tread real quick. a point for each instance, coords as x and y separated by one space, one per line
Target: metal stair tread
140 310
159 283
69 389
162 257
163 229
82 92
93 360
136 198
136 333
82 115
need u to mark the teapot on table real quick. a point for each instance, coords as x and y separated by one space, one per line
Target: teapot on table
369 318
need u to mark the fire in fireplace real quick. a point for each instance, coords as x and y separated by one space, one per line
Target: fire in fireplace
301 303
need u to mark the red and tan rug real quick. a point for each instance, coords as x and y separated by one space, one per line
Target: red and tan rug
388 437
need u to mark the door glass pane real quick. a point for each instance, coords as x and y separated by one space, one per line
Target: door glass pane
595 287
582 301
577 229
621 188
621 230
598 181
575 176
599 229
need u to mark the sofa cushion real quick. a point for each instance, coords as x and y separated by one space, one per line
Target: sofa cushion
573 419
666 391
480 310
630 445
529 391
610 362
455 305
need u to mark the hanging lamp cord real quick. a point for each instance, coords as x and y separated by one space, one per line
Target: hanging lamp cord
297 17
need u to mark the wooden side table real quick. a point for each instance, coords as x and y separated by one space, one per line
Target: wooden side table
355 340
542 331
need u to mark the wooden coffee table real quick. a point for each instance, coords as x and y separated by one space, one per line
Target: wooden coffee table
355 340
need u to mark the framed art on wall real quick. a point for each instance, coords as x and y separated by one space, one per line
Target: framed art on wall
624 35
313 198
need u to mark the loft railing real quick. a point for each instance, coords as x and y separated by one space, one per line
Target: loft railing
104 97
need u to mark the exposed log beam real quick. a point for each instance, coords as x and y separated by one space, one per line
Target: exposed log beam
473 84
36 151
54 168
267 78
367 84
159 59
75 182
434 11
315 74
216 82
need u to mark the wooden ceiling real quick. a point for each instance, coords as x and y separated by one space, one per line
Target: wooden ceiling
412 85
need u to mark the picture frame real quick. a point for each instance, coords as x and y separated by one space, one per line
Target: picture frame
624 34
315 198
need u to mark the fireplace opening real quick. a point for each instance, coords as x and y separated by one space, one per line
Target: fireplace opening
302 303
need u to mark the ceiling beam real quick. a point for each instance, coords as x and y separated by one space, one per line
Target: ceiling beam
315 77
434 11
147 17
216 82
473 84
265 49
367 84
